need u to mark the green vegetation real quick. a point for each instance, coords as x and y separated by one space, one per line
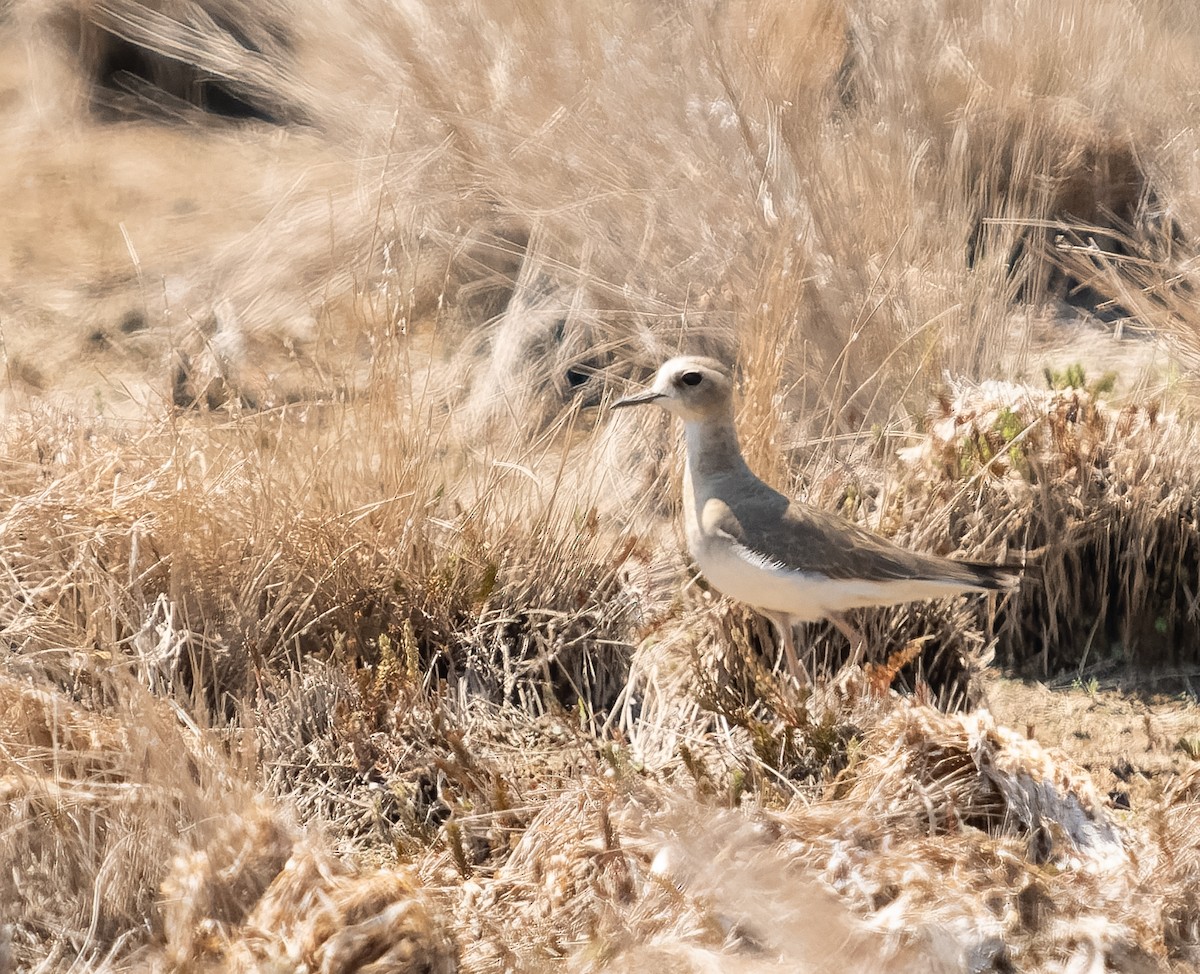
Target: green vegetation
1074 377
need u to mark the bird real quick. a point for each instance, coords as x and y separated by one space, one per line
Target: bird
788 560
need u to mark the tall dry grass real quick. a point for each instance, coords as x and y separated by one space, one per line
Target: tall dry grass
345 630
837 186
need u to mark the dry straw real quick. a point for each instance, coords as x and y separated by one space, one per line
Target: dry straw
344 631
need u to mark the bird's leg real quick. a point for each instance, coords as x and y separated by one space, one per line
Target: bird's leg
796 669
858 642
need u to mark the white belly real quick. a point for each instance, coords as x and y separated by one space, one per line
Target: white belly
805 597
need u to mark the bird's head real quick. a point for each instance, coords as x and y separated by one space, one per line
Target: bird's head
690 387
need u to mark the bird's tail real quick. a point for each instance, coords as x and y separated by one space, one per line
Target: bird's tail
998 578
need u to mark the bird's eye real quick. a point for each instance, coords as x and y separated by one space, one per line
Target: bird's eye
691 378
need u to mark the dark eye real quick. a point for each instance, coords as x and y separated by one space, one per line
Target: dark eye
691 378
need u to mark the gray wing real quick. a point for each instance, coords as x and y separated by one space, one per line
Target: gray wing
804 538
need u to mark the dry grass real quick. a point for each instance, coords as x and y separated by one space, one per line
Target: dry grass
346 633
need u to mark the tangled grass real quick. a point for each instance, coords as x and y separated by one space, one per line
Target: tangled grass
345 631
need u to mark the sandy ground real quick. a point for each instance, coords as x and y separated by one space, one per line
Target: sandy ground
1132 739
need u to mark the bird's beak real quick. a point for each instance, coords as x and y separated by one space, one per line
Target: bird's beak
636 400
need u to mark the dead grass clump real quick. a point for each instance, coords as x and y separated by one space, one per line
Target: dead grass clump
703 706
99 784
394 765
957 771
380 921
773 907
133 835
1178 850
209 889
1159 290
207 570
1102 498
621 877
250 900
1082 210
557 893
947 840
1002 846
778 740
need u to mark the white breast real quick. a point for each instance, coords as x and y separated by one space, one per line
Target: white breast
735 572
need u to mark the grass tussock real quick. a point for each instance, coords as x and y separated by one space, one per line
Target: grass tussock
344 631
1103 499
99 791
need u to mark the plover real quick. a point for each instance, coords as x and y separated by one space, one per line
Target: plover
791 562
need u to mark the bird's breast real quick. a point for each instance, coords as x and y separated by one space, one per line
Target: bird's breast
737 572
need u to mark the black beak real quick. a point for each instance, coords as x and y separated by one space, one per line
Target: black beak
637 400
